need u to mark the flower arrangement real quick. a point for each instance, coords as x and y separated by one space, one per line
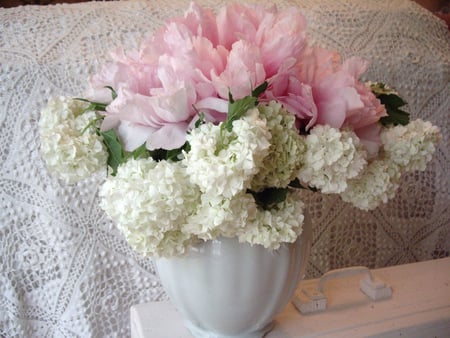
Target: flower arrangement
217 122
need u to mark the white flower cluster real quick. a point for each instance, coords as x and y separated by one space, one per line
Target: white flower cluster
411 146
222 162
377 184
163 207
219 216
150 201
405 148
286 151
71 149
281 224
218 187
332 157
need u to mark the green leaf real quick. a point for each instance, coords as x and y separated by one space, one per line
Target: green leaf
169 155
158 154
113 92
230 97
393 100
140 152
97 106
270 197
91 123
237 109
93 106
115 150
296 184
260 89
172 155
200 120
396 116
187 147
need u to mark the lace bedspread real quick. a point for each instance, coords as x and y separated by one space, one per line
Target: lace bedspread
65 271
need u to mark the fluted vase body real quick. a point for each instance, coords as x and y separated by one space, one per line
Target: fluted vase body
225 289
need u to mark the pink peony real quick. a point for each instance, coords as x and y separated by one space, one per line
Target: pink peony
364 121
156 105
139 117
319 89
125 70
332 87
244 71
195 61
201 22
240 22
281 38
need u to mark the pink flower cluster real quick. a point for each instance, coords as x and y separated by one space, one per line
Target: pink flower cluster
194 62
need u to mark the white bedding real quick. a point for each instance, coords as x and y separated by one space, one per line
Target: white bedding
65 271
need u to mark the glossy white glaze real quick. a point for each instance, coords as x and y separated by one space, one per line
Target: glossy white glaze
224 288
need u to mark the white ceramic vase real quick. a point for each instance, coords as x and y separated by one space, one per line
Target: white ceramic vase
226 289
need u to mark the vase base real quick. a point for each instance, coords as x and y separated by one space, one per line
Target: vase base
202 333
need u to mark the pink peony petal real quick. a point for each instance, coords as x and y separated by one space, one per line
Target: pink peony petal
281 36
239 22
202 22
244 71
370 138
333 104
213 103
109 122
133 135
355 66
171 136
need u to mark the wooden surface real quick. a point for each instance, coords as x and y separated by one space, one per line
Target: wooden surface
419 307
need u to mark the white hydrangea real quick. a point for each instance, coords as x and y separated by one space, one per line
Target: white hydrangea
219 216
222 162
70 151
149 201
332 157
411 146
377 184
281 224
286 152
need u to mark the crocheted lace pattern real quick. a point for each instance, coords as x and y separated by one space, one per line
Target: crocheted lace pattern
66 271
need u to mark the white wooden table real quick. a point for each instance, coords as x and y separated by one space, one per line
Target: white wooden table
419 307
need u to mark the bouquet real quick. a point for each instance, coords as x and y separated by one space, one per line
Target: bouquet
216 123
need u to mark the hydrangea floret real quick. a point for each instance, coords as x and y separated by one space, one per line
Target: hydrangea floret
217 125
411 147
70 145
217 216
286 152
331 159
235 155
149 205
282 224
377 184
